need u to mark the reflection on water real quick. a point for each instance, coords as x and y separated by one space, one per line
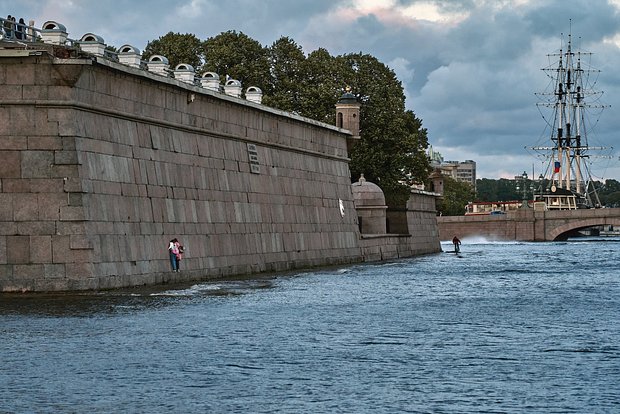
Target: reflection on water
83 304
500 327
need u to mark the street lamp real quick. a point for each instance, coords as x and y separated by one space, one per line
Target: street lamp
541 181
522 186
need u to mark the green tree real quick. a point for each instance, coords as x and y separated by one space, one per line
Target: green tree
238 56
611 186
416 143
486 189
499 190
322 83
456 195
286 59
611 199
392 151
177 48
609 193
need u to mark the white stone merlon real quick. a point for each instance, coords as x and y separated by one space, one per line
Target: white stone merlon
185 73
129 55
211 80
54 33
91 43
159 64
232 87
254 94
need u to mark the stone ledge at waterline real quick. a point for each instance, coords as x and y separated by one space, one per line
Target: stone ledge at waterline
102 164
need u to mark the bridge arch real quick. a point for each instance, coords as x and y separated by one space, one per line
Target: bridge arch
560 232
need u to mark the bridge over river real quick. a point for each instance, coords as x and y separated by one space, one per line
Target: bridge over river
526 224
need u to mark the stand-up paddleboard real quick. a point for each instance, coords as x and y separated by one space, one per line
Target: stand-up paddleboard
454 249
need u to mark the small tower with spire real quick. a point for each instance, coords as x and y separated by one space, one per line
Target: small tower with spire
348 116
436 182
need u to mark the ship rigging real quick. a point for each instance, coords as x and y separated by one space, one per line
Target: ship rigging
570 97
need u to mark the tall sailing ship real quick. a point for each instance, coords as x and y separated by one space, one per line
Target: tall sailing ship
570 97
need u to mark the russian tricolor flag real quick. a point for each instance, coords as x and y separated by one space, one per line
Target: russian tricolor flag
556 167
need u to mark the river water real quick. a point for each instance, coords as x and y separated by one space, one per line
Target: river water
500 328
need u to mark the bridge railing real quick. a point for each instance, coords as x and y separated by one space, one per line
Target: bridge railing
23 35
19 32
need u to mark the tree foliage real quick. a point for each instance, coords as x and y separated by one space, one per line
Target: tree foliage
321 85
488 189
506 190
178 48
286 59
392 148
609 192
240 57
385 145
456 195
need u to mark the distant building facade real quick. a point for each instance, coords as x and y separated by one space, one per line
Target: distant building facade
464 171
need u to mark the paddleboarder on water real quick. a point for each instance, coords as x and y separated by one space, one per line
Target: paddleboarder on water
457 244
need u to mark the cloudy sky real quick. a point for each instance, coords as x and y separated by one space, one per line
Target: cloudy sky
470 68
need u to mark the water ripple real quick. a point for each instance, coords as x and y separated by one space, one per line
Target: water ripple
505 327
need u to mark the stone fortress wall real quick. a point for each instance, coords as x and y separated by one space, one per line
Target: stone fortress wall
101 164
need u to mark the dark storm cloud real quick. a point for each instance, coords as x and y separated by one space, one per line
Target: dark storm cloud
481 99
550 18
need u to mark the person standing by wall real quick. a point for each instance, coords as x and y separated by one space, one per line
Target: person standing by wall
20 30
8 27
173 251
180 250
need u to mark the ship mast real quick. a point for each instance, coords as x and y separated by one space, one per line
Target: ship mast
569 151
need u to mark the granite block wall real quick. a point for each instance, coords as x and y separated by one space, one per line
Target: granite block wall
492 227
421 236
101 165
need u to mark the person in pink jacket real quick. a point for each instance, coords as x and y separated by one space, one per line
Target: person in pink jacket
175 250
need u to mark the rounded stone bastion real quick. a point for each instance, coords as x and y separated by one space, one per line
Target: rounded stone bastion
369 202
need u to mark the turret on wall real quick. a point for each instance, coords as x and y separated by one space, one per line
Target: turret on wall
436 182
370 205
348 116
